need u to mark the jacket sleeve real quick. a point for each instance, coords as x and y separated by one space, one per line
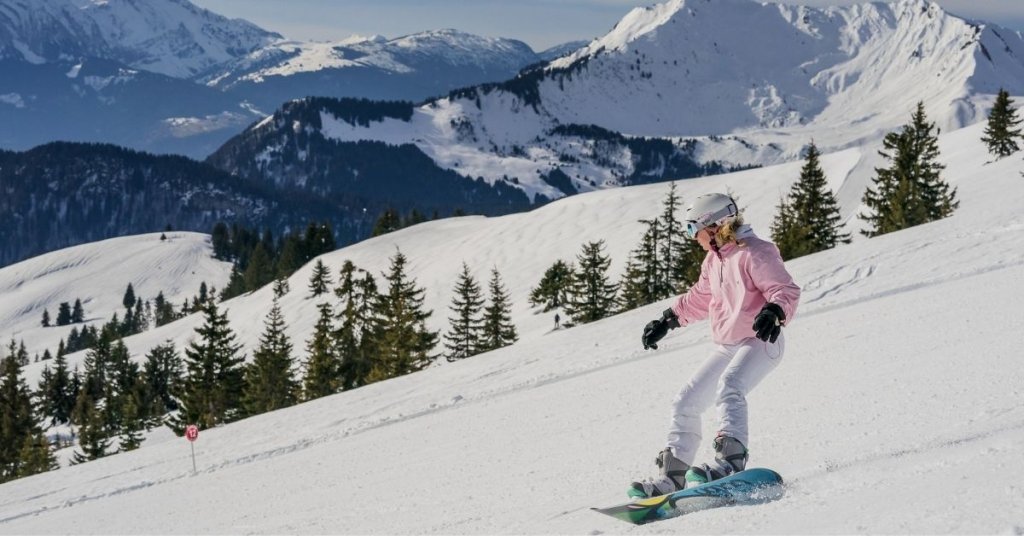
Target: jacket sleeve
769 275
693 305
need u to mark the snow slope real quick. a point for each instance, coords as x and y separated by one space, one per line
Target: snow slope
98 273
901 386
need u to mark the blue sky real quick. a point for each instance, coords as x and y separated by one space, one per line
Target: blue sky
540 23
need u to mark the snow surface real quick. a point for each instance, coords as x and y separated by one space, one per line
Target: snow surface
899 407
98 273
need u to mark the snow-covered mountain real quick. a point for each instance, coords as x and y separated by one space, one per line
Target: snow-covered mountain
901 381
171 37
406 68
732 81
188 79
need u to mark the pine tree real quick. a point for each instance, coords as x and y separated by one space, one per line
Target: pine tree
498 329
404 342
281 287
464 337
131 426
92 433
671 243
322 366
36 456
354 339
809 220
320 281
17 422
909 192
269 380
77 313
163 374
63 314
641 282
163 310
212 390
46 318
552 290
388 221
57 398
592 297
260 270
1001 134
128 300
124 387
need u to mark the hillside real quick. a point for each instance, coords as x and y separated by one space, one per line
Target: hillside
899 383
98 274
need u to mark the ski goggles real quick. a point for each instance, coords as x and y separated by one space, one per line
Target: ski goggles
707 220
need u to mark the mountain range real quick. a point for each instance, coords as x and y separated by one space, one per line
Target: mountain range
91 70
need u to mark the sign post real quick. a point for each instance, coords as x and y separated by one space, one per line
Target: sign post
192 433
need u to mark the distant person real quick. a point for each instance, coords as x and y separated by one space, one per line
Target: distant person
749 295
557 323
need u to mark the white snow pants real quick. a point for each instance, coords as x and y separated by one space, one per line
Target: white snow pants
731 372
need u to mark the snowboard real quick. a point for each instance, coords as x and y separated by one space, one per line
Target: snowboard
753 486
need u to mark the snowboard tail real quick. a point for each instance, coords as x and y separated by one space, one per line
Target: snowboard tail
753 486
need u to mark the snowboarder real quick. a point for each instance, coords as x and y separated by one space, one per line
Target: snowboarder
749 295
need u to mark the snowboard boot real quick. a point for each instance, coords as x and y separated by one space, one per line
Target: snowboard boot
730 457
672 478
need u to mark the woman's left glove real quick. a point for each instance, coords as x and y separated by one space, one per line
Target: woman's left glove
768 323
655 330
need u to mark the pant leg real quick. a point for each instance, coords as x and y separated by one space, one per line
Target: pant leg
753 360
693 399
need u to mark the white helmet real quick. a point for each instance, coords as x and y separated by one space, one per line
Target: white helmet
709 209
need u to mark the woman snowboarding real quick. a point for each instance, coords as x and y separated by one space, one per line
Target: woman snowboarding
749 295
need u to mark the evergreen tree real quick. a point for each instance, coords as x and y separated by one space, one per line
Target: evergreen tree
77 313
320 281
124 388
498 329
163 374
63 314
132 425
260 270
46 318
322 366
56 394
129 297
354 339
291 257
909 192
641 283
389 221
671 243
221 239
17 422
269 380
163 310
92 434
236 284
552 290
1002 132
464 337
281 287
212 391
404 342
591 297
36 456
809 220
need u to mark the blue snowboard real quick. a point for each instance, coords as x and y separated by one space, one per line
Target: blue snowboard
753 486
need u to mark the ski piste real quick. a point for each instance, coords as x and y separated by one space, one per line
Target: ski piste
753 486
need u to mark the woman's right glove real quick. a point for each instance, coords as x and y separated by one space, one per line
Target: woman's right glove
655 330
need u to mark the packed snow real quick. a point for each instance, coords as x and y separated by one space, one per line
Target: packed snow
899 405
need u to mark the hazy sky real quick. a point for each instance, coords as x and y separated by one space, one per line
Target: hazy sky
540 23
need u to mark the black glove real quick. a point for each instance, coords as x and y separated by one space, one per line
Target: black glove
768 323
655 330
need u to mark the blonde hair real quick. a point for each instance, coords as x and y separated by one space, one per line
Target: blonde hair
726 232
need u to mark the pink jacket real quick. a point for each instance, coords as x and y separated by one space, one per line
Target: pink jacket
735 284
